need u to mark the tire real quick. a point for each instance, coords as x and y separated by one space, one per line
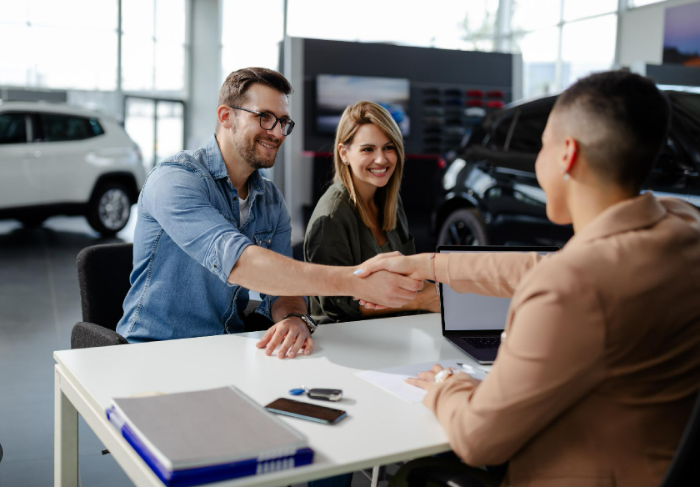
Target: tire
463 227
109 209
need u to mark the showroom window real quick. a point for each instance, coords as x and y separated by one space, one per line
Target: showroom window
55 47
154 46
451 24
597 53
554 38
244 42
641 3
74 45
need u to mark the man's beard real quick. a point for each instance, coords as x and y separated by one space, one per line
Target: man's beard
248 152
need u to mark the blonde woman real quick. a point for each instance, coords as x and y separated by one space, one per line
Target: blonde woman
361 214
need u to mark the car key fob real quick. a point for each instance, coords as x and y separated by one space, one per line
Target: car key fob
332 395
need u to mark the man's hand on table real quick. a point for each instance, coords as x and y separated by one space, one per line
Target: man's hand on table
291 335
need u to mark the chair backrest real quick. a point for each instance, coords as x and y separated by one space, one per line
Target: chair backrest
685 467
103 274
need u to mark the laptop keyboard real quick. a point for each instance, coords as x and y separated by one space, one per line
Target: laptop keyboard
483 342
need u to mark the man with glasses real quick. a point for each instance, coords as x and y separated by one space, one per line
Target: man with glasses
210 228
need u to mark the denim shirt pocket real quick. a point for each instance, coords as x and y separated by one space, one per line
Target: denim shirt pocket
263 238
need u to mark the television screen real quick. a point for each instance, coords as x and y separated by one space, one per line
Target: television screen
682 35
335 92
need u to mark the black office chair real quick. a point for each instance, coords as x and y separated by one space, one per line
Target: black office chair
685 467
103 274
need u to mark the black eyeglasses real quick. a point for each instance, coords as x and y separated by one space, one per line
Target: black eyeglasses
269 121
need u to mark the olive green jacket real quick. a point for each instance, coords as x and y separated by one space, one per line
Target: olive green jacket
337 236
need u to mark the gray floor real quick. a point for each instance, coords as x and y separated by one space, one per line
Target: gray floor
39 303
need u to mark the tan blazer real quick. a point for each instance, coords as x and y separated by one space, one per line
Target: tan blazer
600 364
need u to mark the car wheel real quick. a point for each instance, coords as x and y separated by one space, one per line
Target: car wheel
110 209
463 227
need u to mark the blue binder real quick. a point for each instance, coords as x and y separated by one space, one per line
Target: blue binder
189 476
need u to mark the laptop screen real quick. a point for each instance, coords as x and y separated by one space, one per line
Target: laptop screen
467 311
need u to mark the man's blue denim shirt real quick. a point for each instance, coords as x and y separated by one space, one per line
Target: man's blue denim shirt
188 238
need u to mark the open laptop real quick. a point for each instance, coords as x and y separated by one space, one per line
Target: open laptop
474 323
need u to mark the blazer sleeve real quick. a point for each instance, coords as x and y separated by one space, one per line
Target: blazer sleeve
328 242
494 274
551 356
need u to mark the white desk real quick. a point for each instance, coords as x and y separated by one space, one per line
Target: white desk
380 428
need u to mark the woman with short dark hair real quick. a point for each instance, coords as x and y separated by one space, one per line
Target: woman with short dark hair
599 363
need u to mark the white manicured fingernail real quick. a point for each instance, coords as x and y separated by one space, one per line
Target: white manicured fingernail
357 272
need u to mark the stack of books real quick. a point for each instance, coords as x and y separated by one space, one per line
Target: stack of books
207 436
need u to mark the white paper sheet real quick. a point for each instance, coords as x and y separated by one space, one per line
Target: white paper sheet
393 379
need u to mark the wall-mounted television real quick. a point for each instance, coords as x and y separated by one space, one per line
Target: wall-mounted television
335 92
682 35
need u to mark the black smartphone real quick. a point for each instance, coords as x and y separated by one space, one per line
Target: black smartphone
306 411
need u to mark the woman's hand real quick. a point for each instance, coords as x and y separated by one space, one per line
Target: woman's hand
417 267
426 379
393 262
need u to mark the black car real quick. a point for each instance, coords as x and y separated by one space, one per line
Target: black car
488 192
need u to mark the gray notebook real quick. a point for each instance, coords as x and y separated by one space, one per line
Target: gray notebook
207 427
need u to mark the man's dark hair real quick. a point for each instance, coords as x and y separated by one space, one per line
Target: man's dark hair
233 91
633 116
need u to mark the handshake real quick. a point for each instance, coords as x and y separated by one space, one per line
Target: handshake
391 280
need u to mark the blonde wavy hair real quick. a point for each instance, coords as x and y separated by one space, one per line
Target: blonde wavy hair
353 117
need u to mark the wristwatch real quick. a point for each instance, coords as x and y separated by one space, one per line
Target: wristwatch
443 375
307 320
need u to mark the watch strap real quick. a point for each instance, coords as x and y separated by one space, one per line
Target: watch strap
310 324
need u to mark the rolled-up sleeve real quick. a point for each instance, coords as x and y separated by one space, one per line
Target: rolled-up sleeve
178 199
550 358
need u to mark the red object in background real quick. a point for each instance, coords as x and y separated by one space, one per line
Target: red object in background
494 104
495 94
475 93
441 163
474 103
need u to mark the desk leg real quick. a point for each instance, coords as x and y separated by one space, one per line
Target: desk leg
65 448
378 475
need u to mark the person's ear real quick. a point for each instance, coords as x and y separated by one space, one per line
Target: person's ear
225 116
570 155
343 151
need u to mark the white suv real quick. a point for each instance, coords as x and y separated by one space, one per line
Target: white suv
60 160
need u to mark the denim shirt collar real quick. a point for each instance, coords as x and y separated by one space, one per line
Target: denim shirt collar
217 168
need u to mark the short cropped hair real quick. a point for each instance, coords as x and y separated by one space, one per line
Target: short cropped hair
233 91
352 119
632 117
